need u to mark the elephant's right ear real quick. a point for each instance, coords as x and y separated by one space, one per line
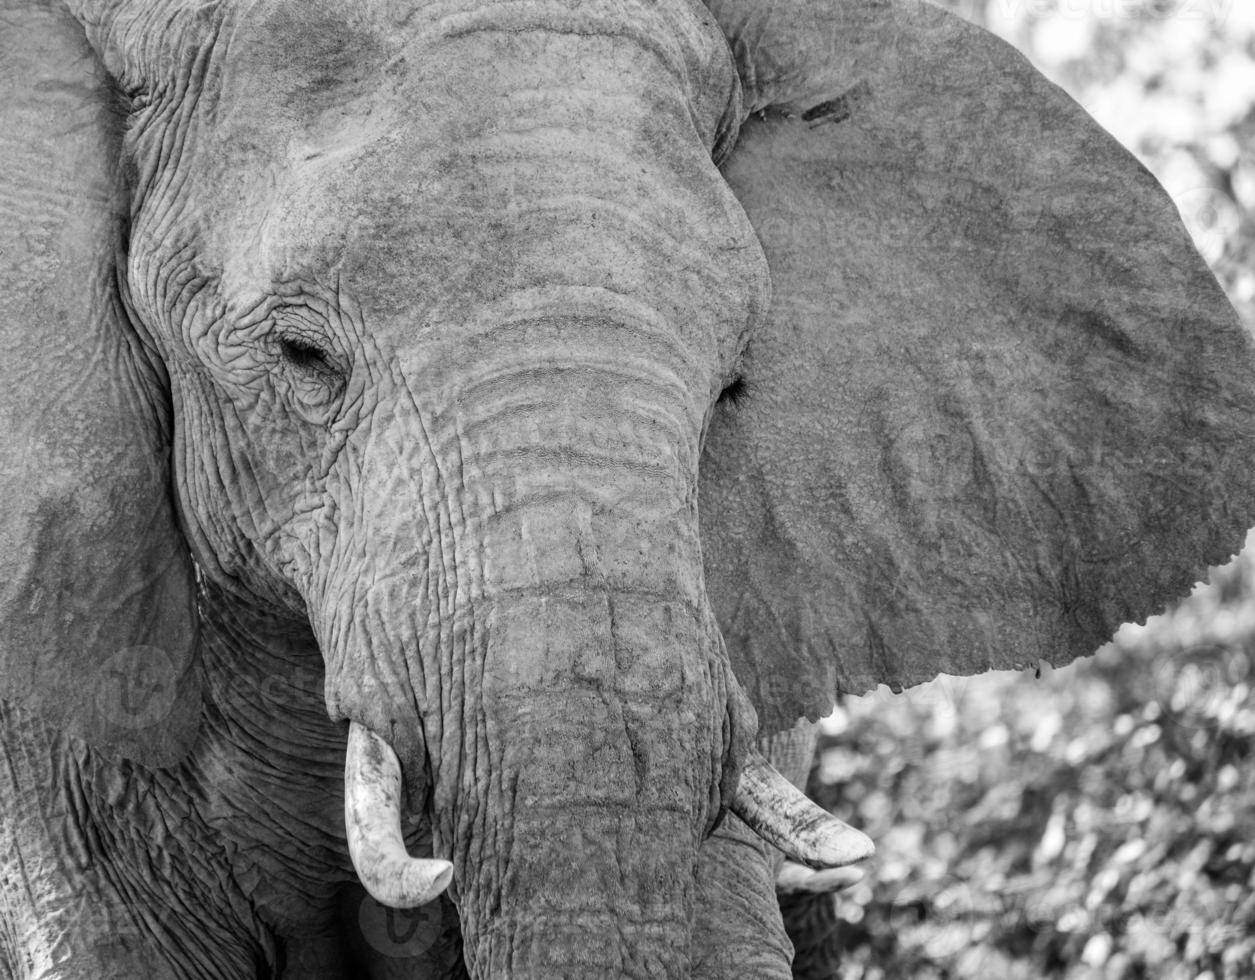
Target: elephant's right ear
97 592
999 405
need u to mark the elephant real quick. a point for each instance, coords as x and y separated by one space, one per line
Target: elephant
451 449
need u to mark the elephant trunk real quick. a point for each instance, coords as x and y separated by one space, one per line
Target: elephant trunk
536 645
594 772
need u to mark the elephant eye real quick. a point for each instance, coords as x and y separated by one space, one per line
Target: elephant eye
734 392
304 356
315 376
310 359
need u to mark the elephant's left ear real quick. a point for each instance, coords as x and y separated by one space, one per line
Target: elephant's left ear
1000 405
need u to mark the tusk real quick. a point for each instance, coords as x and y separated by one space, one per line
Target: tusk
372 816
781 814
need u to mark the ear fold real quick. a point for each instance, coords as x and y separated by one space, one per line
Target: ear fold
1001 405
97 616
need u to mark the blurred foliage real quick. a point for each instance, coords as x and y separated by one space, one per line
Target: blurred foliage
1095 822
1098 821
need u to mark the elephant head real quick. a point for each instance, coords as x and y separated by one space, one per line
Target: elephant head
588 421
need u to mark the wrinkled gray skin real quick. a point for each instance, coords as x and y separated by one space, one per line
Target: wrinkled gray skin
436 303
498 324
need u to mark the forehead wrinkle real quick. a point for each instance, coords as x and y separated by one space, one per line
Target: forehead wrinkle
297 59
321 98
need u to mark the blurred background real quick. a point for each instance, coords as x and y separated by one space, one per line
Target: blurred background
1097 821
